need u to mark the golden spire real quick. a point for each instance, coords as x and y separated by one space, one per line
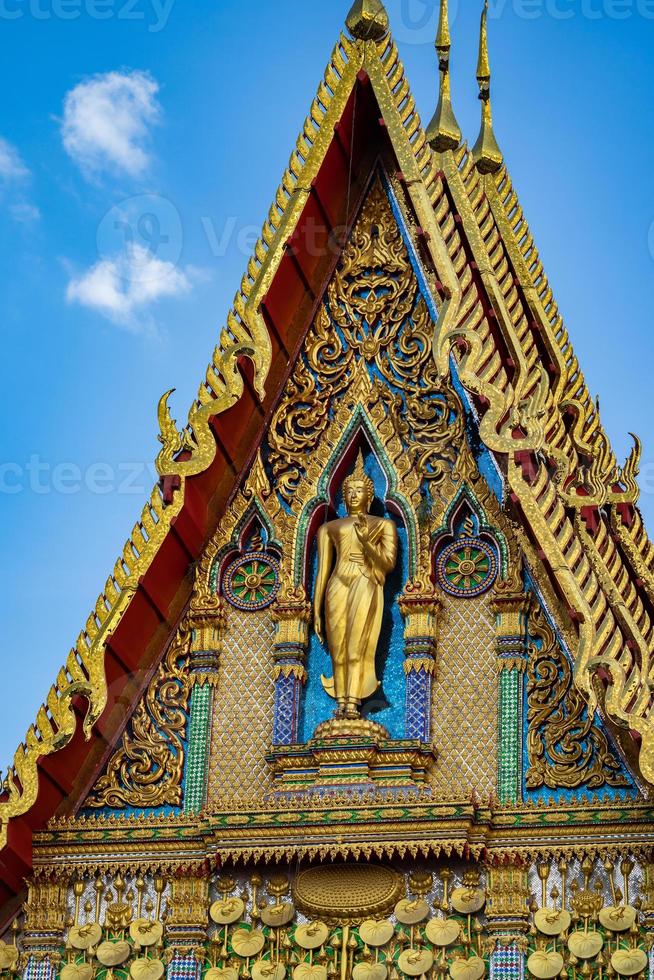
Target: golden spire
367 20
443 132
486 152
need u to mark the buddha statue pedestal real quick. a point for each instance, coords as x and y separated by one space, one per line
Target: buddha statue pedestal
351 755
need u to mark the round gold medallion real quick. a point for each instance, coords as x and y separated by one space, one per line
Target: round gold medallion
77 971
470 969
227 910
552 922
113 953
629 962
618 918
144 932
376 932
545 966
83 937
311 936
310 971
221 973
246 942
411 911
467 901
585 945
415 962
370 971
277 915
442 932
265 970
146 969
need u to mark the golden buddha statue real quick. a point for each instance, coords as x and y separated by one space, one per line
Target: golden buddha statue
365 548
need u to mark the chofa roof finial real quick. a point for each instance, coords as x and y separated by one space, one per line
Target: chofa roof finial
444 132
486 152
367 20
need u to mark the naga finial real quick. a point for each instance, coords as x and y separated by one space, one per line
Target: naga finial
444 132
486 152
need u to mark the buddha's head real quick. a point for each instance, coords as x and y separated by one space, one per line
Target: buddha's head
358 490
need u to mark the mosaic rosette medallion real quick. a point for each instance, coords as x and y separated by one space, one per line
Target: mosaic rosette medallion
467 567
251 582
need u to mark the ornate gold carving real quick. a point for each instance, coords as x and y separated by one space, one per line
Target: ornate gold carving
566 747
347 892
46 911
508 896
188 913
373 312
146 771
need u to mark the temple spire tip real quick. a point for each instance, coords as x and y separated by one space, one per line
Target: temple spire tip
444 132
367 20
486 152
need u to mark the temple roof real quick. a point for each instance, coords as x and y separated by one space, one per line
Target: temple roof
499 330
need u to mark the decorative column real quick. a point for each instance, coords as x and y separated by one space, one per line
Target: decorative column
648 910
292 615
186 925
420 606
511 611
45 925
207 622
507 920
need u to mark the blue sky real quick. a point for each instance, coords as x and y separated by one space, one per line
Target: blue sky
186 113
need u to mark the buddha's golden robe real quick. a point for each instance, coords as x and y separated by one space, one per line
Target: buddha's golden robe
354 601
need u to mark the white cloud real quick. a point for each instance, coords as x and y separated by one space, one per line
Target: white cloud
107 121
12 167
122 286
24 213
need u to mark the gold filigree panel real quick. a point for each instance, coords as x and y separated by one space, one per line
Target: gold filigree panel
147 767
465 699
566 747
243 709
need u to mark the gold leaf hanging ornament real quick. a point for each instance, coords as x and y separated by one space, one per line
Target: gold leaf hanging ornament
144 932
552 922
113 953
8 956
470 969
84 937
370 971
585 945
415 962
629 962
411 911
146 969
618 918
376 932
265 970
222 973
246 942
77 971
227 910
467 901
312 935
442 932
277 915
545 966
308 971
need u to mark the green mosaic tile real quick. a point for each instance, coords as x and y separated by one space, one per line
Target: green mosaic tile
198 748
